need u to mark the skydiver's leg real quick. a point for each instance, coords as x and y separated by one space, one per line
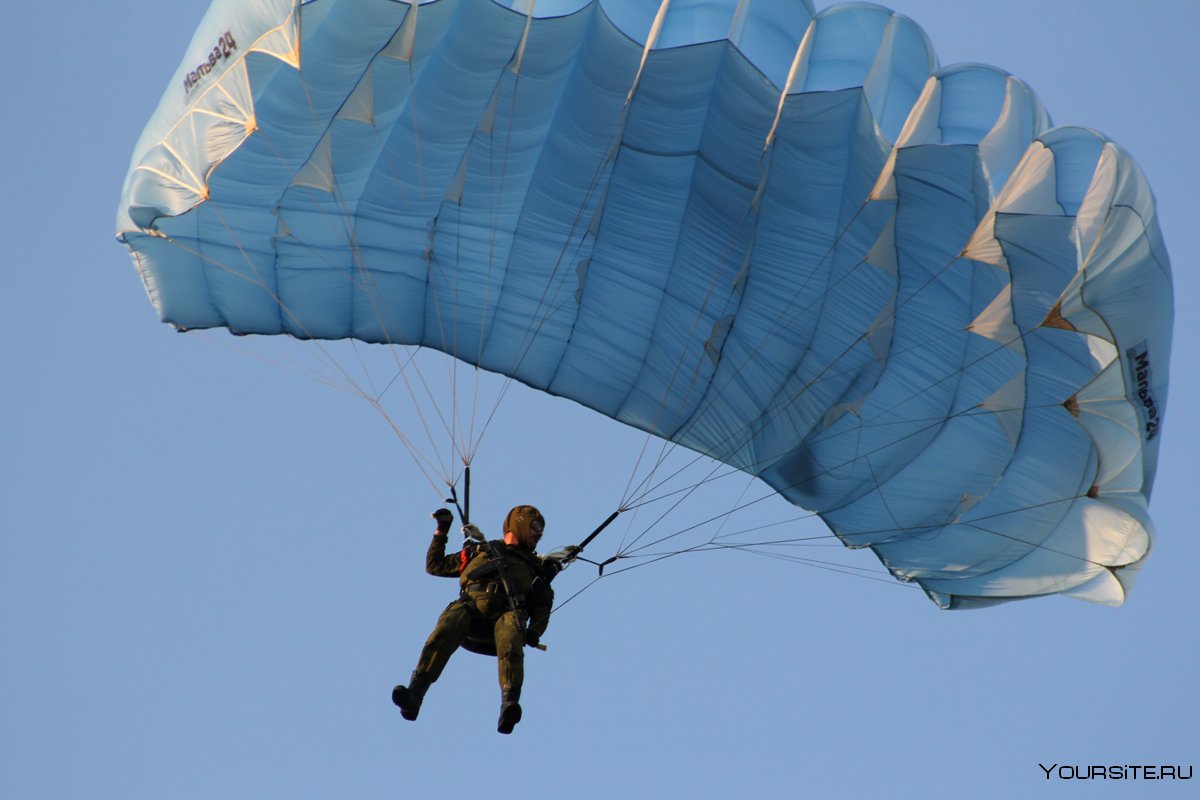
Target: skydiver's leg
510 659
451 629
449 632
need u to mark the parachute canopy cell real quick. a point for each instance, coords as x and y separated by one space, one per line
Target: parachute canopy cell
785 239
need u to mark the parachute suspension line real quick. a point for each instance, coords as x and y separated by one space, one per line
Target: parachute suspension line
781 408
646 499
1000 348
724 518
370 290
472 439
367 285
470 442
462 435
828 539
459 448
645 487
407 29
906 532
449 425
302 369
766 338
635 496
465 446
883 500
347 383
974 523
558 606
667 446
403 367
768 150
876 422
782 404
546 300
497 196
768 155
456 451
928 282
866 573
934 422
863 573
496 199
769 458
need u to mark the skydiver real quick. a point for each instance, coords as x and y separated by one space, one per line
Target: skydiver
504 604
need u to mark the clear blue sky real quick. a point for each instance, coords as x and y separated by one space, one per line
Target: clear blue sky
211 569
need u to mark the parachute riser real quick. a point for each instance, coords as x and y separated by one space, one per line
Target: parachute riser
588 540
464 509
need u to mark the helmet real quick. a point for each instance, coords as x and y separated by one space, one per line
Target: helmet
522 521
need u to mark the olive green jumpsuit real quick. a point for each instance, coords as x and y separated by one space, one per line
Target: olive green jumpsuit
484 608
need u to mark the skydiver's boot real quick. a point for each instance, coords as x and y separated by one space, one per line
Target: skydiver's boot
510 710
409 698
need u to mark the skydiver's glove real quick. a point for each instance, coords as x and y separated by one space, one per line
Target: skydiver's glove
532 639
445 518
558 560
471 532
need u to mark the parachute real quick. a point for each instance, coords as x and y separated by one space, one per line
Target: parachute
787 240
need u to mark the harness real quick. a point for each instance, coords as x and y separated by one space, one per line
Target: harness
491 577
488 578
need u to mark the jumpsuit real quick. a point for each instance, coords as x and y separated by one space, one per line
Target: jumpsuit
483 606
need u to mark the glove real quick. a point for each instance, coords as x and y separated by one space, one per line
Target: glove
471 532
445 518
532 639
561 555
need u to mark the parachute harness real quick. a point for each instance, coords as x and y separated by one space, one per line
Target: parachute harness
477 542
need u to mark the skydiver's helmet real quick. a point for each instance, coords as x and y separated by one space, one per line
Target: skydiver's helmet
524 521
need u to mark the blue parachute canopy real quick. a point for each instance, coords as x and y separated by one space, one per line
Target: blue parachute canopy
784 239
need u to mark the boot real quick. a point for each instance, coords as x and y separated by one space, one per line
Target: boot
409 698
510 710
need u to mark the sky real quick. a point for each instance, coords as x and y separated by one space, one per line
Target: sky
211 567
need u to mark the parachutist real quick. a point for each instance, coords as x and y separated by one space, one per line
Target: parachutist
504 604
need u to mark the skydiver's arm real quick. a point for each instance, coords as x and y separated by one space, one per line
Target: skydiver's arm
540 606
439 564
